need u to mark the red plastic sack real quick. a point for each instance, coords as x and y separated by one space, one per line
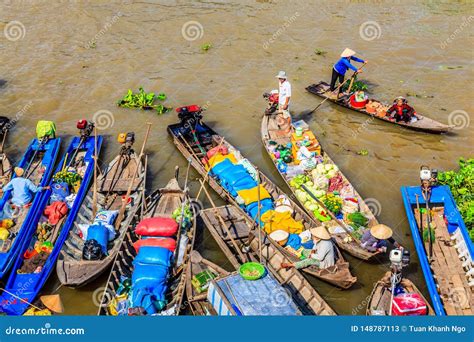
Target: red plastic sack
157 226
55 212
218 149
409 304
168 243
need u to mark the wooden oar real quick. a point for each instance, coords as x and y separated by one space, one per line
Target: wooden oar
94 195
339 222
224 225
3 140
337 89
132 181
428 223
197 258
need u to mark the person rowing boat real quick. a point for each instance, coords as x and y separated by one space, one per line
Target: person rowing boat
375 238
343 64
321 255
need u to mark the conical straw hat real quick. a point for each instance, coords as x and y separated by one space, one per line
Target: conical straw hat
381 232
320 232
53 303
348 52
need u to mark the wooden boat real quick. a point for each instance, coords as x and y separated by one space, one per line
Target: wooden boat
424 124
22 287
243 232
5 165
271 132
161 203
338 275
38 162
71 268
446 272
379 300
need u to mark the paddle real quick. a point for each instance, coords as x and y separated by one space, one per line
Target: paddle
197 258
130 186
224 225
94 196
339 222
3 140
340 85
428 219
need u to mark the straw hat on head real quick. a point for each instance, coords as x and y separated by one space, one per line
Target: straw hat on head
348 53
282 74
321 233
53 303
18 171
279 236
381 232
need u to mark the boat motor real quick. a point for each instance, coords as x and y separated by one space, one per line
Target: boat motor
272 99
126 140
189 115
85 128
428 176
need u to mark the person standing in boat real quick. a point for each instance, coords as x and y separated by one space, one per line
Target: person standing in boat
401 111
321 255
375 239
22 189
284 96
343 64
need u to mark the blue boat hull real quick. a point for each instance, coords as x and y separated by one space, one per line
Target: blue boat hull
22 289
50 150
440 195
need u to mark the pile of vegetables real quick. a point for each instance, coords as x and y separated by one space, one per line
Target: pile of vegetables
461 183
358 222
187 213
356 85
327 169
70 178
143 100
333 203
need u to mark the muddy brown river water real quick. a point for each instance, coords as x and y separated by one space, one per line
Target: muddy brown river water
68 60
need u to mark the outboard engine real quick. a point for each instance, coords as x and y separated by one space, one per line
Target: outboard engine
85 128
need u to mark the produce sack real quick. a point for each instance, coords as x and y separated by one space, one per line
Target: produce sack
168 243
251 195
409 304
218 158
55 212
265 205
231 177
99 233
245 183
147 275
154 255
106 216
59 192
275 220
45 129
4 233
294 241
157 226
225 165
218 149
92 250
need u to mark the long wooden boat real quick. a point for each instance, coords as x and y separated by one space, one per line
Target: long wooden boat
112 185
271 133
447 276
338 275
424 124
162 203
243 232
38 162
379 300
23 285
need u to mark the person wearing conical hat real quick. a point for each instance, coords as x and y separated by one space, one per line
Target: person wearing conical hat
375 239
401 111
322 254
343 64
22 188
284 95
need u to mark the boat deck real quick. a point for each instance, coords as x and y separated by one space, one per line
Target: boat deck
454 290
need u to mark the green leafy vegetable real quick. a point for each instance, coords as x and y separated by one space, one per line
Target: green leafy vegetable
143 100
461 184
356 85
206 47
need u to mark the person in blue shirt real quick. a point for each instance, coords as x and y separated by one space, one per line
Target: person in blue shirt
22 189
342 65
